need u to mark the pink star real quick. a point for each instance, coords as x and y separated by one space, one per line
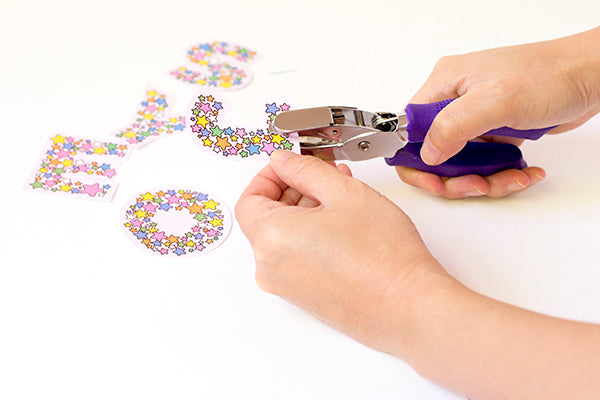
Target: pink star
233 150
159 235
196 228
136 223
83 168
211 233
62 153
92 190
164 251
195 128
284 107
150 108
159 124
268 148
173 199
241 132
150 207
109 173
205 108
199 247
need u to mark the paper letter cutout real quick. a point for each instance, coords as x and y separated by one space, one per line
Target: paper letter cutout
217 66
203 222
209 134
80 167
152 121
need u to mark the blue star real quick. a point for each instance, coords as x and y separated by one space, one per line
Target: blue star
179 127
199 236
260 132
47 175
272 108
217 105
141 235
105 166
139 204
75 191
161 101
211 214
179 251
205 132
50 152
68 146
206 47
201 197
171 192
165 206
158 243
144 103
253 149
228 131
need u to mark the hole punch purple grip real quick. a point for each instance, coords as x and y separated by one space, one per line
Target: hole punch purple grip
421 116
475 158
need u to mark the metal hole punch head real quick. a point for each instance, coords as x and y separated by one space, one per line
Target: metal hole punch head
344 133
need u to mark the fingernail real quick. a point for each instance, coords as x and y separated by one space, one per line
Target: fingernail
515 186
280 155
474 193
430 154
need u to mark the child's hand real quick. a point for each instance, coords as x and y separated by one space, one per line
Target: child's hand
523 87
333 246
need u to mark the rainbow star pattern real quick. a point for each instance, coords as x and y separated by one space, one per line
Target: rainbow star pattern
216 70
233 142
81 167
152 121
209 222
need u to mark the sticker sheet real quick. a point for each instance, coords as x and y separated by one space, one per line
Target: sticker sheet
76 167
216 135
176 223
152 120
218 65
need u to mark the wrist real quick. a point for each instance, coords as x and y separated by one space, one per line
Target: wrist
584 50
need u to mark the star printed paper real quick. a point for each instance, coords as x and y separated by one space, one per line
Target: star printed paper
84 168
152 120
218 65
216 135
176 223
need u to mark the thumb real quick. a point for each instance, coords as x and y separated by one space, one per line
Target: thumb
310 176
465 118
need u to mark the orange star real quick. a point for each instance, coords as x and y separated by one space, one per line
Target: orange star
223 143
196 208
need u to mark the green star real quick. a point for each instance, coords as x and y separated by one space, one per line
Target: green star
200 217
37 185
216 131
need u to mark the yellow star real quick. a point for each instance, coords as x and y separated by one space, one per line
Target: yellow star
67 162
129 134
207 142
99 150
202 121
190 243
148 196
152 93
66 188
148 116
226 84
203 62
216 222
210 204
58 139
141 213
173 120
277 138
256 139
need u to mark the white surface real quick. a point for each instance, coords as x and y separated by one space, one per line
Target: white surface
85 314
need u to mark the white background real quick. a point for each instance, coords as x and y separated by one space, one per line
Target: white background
84 314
